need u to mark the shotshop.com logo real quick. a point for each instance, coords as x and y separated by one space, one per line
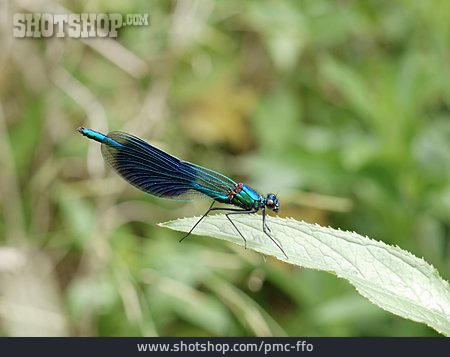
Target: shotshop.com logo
74 25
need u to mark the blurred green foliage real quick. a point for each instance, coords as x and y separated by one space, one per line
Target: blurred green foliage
341 107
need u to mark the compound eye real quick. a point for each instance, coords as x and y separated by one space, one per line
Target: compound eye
270 203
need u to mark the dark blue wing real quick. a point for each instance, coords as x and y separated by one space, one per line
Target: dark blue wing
158 173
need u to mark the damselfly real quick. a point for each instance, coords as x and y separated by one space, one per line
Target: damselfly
160 174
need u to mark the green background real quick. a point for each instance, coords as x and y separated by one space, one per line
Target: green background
339 107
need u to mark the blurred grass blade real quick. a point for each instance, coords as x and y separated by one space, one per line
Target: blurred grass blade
388 276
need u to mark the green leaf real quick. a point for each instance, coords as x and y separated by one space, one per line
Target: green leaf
388 276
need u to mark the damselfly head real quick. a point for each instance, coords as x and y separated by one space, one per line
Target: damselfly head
272 202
